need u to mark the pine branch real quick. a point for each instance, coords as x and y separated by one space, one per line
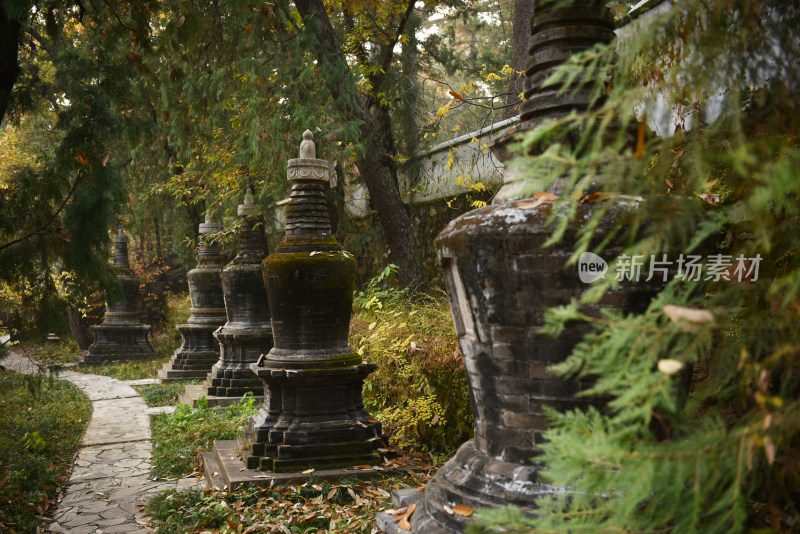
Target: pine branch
49 221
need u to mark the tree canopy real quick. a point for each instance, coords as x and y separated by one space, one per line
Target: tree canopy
154 113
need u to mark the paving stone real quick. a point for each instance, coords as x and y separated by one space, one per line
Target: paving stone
111 522
80 519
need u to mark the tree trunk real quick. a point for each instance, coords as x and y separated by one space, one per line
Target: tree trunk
523 12
9 63
158 239
81 332
376 164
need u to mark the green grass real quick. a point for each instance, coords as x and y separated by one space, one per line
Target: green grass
66 351
351 505
164 394
42 420
179 437
126 370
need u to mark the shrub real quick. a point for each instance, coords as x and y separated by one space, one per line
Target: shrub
41 423
168 338
419 391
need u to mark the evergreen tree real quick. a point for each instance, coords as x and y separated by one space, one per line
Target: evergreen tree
720 182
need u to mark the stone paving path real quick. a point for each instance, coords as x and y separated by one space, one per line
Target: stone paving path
110 478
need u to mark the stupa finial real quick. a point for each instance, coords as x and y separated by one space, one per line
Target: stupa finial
248 208
307 148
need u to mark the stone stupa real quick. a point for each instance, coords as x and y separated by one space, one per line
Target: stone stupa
121 336
199 350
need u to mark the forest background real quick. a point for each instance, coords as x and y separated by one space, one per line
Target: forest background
154 114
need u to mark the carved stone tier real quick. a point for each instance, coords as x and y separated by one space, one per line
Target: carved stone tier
200 350
247 333
556 35
121 336
313 414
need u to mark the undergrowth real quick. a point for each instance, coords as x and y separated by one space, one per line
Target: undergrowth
316 506
419 391
42 420
163 394
179 437
126 370
167 338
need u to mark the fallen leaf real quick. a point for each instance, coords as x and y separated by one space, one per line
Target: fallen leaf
82 157
397 513
709 198
181 20
590 198
545 195
308 471
692 315
404 524
248 29
105 159
669 366
462 510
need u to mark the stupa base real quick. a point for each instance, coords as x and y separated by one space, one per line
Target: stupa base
473 479
119 343
223 470
191 397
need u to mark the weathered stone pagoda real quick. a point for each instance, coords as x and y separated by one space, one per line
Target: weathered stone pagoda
500 280
199 350
313 415
247 333
121 336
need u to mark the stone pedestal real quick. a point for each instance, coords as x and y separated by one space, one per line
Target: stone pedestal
247 333
313 414
200 350
121 337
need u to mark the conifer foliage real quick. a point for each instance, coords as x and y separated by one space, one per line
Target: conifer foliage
720 181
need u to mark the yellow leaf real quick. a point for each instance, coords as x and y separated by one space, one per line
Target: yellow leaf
769 448
640 140
669 366
692 315
461 509
456 96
